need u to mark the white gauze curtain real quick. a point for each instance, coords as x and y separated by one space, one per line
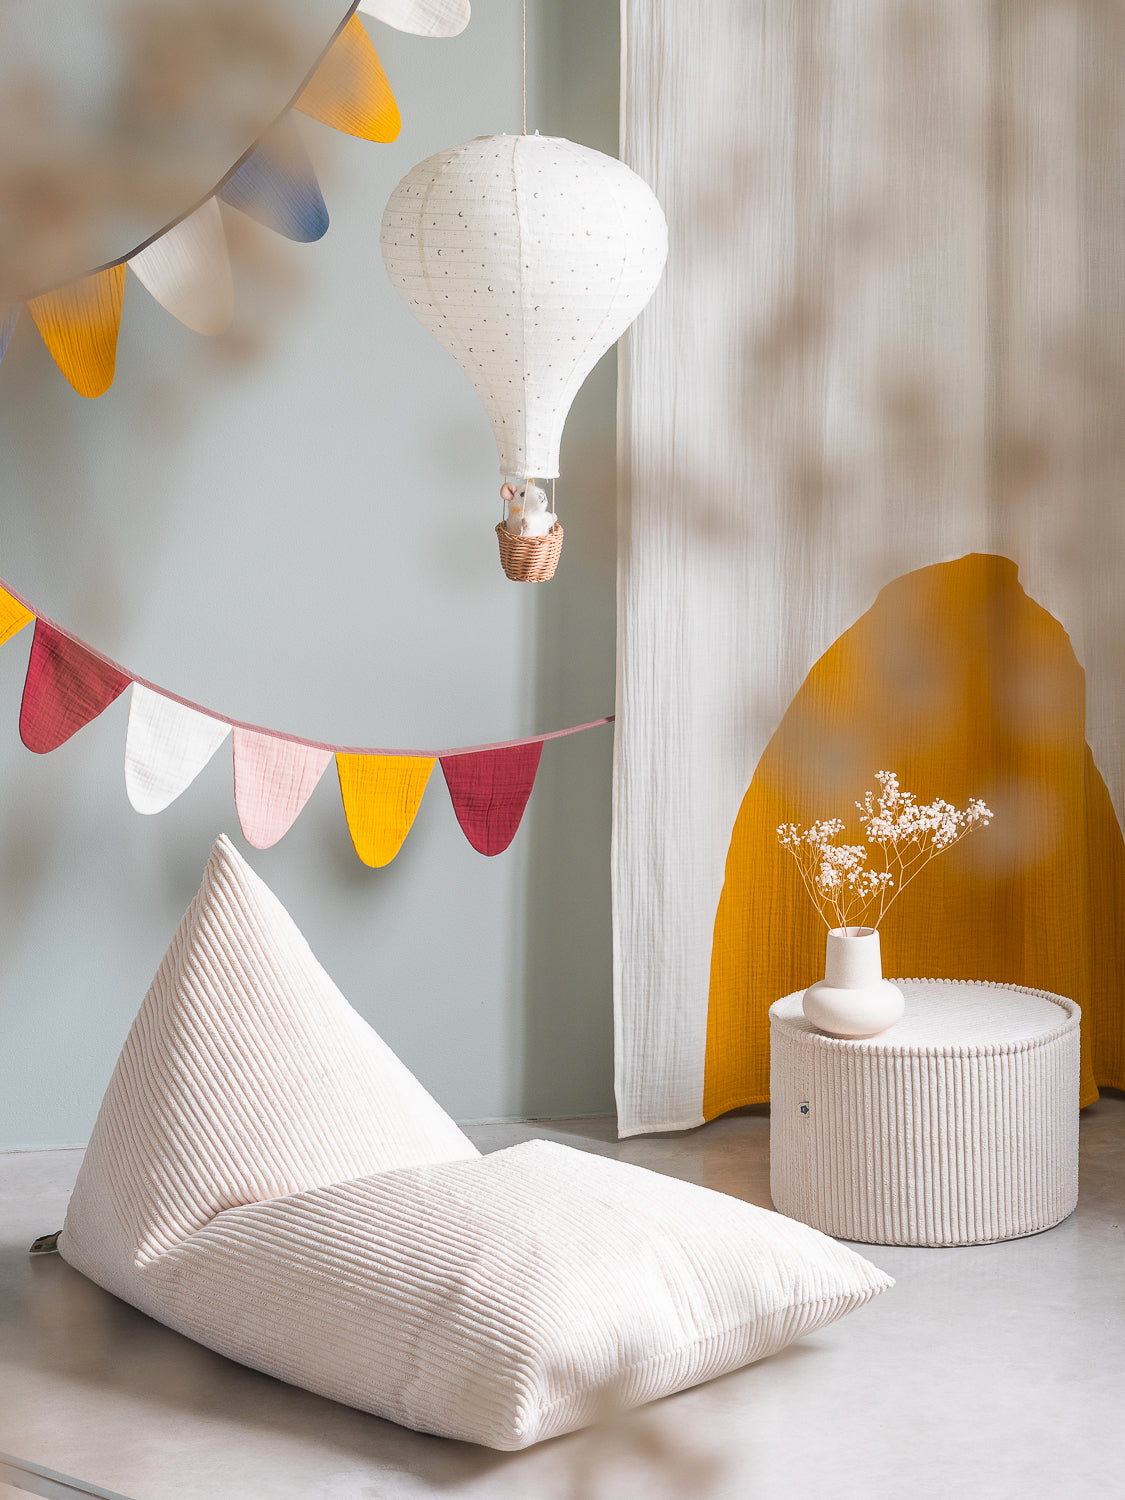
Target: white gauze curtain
891 332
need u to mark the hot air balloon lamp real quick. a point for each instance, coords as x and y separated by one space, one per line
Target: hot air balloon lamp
526 257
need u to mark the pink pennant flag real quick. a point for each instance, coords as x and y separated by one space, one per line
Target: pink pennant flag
489 790
66 687
273 779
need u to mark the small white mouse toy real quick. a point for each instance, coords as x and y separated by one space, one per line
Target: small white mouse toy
528 513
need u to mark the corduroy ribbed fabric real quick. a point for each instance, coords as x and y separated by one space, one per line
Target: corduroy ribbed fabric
246 1076
957 1126
267 1178
508 1299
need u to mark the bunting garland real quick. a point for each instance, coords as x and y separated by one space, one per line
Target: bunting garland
273 779
423 17
169 740
13 617
381 795
186 266
489 791
9 317
79 324
350 92
166 747
66 687
277 185
188 271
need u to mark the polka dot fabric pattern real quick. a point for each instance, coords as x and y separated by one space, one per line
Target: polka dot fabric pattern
526 257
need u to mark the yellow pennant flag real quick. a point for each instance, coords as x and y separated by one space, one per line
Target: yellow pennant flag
381 797
350 92
79 325
13 616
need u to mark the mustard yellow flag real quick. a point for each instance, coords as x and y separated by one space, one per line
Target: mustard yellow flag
13 616
350 92
79 325
381 797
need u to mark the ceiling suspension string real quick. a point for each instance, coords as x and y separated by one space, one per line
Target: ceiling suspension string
525 67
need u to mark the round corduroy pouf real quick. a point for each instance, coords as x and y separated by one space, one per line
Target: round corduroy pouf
958 1126
530 559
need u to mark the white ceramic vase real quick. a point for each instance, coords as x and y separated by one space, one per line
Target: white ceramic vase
853 999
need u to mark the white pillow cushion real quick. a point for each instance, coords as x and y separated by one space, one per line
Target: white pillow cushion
508 1299
246 1076
267 1177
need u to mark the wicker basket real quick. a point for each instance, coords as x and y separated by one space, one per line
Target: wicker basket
530 559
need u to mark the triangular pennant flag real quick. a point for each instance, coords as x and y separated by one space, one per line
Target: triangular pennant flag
79 325
277 186
273 779
66 687
9 317
422 17
381 795
166 747
13 616
349 90
187 270
489 790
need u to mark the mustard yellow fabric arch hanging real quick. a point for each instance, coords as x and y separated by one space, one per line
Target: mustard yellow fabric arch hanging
963 685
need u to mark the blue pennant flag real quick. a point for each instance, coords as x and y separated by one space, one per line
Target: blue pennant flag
277 185
9 317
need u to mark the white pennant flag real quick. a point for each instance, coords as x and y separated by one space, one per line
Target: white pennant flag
187 270
166 747
423 17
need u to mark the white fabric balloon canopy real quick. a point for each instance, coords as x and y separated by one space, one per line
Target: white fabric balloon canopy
526 257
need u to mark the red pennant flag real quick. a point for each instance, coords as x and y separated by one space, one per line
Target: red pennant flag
66 687
489 789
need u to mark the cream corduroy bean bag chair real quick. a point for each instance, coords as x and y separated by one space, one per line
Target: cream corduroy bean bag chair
266 1177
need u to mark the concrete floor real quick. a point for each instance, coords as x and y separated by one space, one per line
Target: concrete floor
986 1374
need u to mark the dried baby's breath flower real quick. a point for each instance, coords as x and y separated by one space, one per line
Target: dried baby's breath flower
844 890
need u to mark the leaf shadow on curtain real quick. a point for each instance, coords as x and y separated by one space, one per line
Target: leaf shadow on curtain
889 335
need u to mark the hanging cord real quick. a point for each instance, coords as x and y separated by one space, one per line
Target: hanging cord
525 67
554 509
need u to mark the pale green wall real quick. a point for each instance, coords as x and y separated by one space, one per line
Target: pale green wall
301 537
